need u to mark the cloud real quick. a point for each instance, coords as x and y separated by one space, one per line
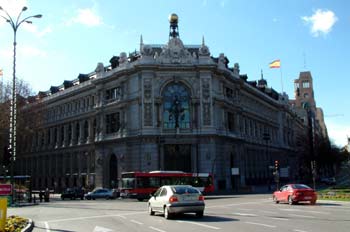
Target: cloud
34 29
13 8
321 22
24 51
86 17
338 132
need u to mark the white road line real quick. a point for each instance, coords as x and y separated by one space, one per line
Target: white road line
136 222
296 230
244 209
47 227
306 211
156 229
121 216
246 214
302 216
281 219
200 224
260 224
97 216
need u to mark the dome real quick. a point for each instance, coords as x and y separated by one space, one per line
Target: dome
173 18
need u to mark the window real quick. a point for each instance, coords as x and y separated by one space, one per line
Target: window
230 121
112 123
296 85
306 95
229 92
306 84
176 109
113 94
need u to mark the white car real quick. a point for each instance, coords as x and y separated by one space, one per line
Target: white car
175 199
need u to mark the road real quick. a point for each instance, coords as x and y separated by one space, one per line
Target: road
246 213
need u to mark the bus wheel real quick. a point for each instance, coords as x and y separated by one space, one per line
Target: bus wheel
140 199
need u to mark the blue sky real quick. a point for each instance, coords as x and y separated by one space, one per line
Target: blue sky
74 35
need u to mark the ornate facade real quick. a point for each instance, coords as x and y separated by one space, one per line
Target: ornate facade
163 108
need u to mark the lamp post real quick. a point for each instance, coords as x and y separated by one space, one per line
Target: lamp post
13 111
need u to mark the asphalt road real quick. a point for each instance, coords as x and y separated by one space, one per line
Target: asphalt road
223 213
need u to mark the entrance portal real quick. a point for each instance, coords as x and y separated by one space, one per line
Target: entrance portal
113 172
177 157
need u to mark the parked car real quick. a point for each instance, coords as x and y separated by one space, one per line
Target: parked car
294 193
174 199
329 180
101 193
72 193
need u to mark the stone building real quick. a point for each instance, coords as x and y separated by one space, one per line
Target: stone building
171 107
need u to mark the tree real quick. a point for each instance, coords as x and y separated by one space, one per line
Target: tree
26 122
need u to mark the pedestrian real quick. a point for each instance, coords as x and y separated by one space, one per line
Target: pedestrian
41 195
47 195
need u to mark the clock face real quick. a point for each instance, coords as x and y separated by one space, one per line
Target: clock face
176 112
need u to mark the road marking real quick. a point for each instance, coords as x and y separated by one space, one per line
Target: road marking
260 224
303 216
307 211
296 230
200 224
121 216
101 229
136 222
47 227
97 216
156 229
246 214
281 219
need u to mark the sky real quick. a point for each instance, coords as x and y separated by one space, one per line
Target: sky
306 35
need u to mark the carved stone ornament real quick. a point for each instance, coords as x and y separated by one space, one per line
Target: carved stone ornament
146 50
175 53
123 58
100 68
204 51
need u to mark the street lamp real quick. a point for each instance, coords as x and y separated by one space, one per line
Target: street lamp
13 112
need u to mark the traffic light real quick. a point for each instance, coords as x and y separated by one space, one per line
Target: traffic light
276 165
7 156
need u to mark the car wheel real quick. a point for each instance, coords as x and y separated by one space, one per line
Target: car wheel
200 214
274 198
140 199
290 201
150 210
167 215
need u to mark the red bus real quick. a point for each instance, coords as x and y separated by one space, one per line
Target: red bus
140 185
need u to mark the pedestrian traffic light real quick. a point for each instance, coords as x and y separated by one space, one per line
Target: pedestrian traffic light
276 164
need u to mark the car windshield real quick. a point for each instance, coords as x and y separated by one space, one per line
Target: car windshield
300 186
184 190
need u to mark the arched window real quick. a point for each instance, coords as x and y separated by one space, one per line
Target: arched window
176 108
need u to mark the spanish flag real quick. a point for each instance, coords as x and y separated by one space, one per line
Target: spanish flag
275 64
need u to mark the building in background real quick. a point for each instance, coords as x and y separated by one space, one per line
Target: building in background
171 107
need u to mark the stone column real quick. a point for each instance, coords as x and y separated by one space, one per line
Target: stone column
73 139
65 136
90 130
52 131
81 132
99 168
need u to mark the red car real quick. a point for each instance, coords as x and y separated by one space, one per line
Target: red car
294 193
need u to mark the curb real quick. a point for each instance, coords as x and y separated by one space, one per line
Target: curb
29 227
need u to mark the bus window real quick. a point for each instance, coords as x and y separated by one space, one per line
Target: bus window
128 183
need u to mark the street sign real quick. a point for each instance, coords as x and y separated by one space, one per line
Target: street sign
5 189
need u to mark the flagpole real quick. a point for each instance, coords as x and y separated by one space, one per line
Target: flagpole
281 79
